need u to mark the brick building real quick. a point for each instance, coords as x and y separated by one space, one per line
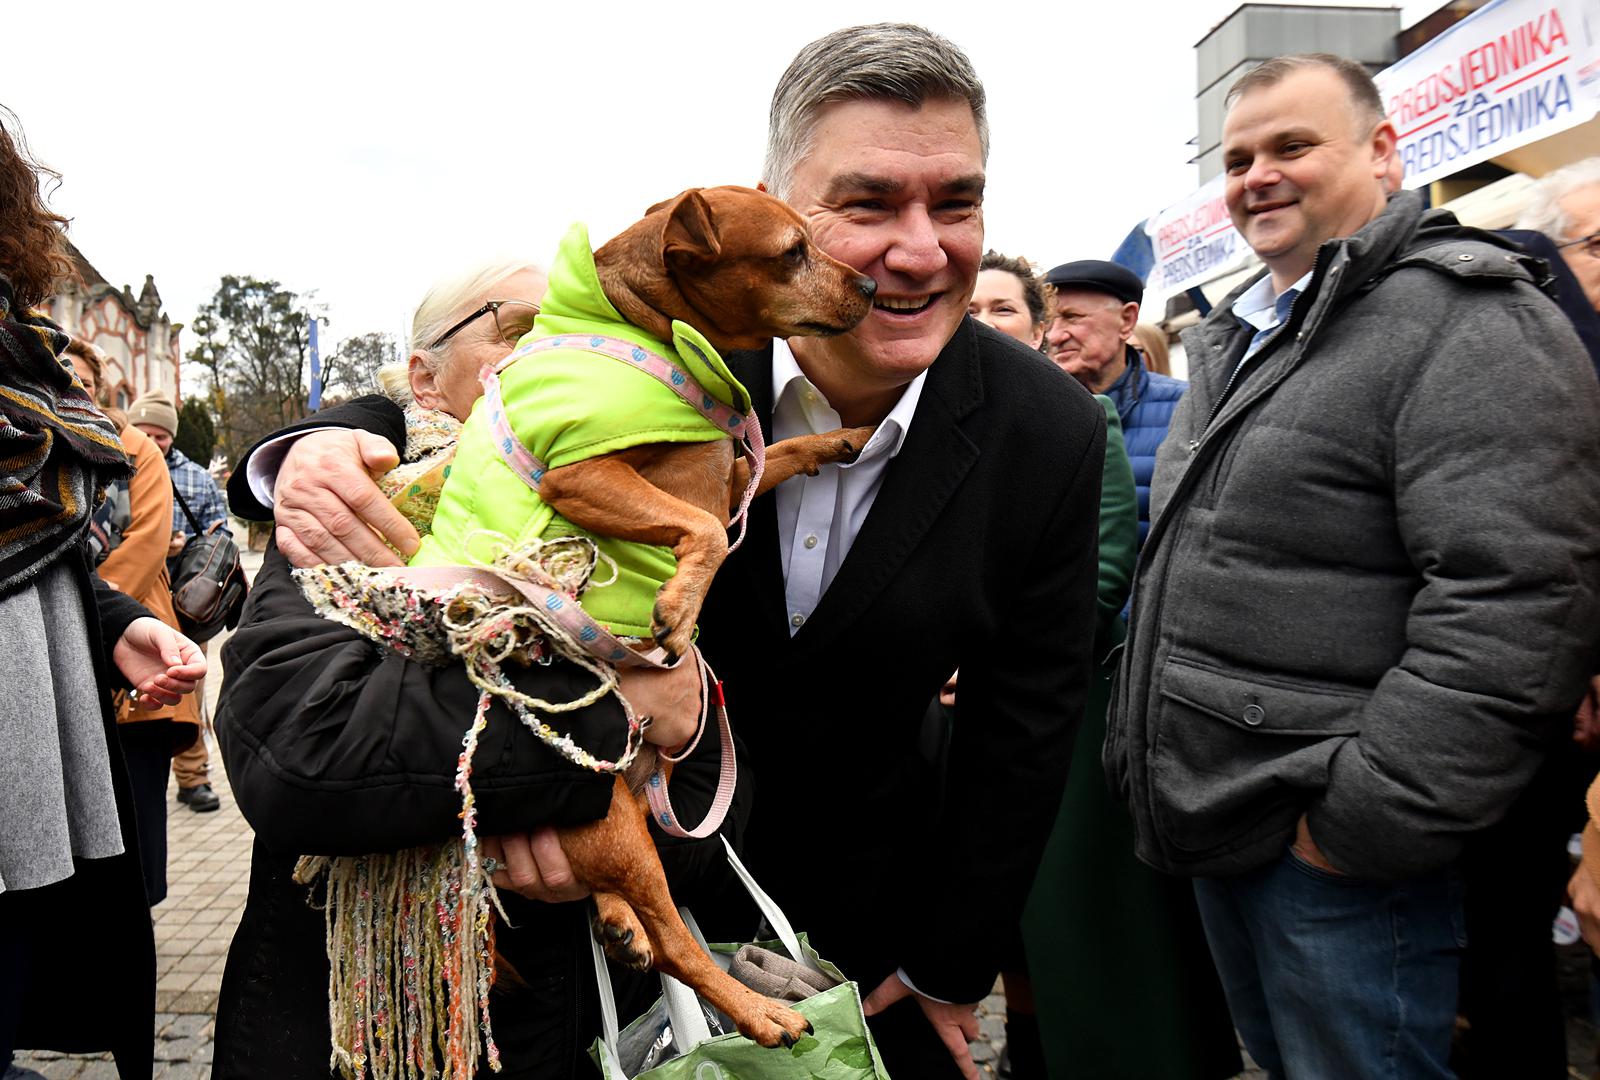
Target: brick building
139 340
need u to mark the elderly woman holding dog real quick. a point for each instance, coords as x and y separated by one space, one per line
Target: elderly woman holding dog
77 956
336 748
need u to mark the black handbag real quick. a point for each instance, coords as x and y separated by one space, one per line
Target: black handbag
208 585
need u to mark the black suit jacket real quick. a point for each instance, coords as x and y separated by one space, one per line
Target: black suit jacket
980 552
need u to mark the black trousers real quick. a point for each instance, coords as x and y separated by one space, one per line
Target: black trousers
147 747
1516 875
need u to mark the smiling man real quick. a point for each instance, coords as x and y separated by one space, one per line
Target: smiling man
964 535
1369 594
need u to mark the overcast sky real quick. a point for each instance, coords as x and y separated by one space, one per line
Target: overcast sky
362 150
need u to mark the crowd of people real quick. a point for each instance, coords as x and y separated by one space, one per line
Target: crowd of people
1254 706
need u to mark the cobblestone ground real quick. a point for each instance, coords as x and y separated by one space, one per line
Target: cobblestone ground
208 871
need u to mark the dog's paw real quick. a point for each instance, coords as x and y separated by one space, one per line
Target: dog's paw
771 1023
617 929
851 441
672 623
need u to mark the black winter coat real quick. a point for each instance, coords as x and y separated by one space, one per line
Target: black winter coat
336 746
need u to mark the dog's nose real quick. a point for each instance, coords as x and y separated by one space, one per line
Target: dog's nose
868 287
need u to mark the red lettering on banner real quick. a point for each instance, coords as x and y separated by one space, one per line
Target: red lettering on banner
1488 63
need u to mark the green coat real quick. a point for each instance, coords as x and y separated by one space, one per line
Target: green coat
1122 977
567 406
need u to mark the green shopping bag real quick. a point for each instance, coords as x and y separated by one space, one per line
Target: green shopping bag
681 1037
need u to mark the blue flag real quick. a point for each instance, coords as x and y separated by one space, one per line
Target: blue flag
316 368
1136 253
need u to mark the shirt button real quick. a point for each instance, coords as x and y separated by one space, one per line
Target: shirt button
811 542
1254 714
811 395
797 619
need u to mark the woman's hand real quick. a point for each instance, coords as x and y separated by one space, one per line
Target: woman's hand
533 865
161 664
670 698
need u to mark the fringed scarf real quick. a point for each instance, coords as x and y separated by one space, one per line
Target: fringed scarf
57 450
410 934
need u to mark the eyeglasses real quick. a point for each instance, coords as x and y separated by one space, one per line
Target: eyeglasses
492 307
1591 245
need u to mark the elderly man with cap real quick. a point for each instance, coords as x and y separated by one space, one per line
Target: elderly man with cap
197 505
1096 306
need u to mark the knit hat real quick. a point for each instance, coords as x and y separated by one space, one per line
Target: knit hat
156 408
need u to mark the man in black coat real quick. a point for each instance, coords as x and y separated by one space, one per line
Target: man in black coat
964 536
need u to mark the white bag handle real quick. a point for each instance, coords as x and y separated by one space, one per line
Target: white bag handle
689 1027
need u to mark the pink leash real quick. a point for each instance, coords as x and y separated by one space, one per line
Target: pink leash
655 788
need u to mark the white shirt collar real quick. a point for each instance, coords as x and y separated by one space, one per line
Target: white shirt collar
790 384
1256 305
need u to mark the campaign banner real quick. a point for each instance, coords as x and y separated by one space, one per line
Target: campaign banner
1511 73
1193 241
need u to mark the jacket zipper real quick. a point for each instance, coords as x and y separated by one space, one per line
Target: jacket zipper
1153 737
1238 369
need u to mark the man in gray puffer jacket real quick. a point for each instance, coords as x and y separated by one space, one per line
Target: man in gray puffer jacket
1368 599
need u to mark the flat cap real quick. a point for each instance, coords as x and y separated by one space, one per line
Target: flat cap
1099 275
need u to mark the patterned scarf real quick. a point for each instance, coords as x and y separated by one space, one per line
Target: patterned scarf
57 450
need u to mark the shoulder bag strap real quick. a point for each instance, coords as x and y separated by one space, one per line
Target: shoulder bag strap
193 524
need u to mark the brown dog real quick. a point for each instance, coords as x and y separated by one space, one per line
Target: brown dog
741 268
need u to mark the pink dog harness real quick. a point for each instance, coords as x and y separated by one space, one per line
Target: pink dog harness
744 430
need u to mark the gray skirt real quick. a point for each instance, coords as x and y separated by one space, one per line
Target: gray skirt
56 799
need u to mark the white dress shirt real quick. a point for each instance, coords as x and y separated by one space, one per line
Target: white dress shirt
820 516
1258 307
261 468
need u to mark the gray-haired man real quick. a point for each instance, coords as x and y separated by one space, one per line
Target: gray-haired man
964 536
1565 206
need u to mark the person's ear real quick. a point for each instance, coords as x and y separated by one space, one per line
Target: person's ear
1129 318
1385 156
1036 337
424 381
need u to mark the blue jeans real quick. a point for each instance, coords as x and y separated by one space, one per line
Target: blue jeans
1328 976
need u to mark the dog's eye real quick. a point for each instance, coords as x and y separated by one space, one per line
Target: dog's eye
796 256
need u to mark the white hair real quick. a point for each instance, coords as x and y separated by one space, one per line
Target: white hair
1543 212
441 308
883 62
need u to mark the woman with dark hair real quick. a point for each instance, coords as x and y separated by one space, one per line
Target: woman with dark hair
77 956
1010 297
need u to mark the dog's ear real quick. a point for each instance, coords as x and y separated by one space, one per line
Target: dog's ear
690 234
664 203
